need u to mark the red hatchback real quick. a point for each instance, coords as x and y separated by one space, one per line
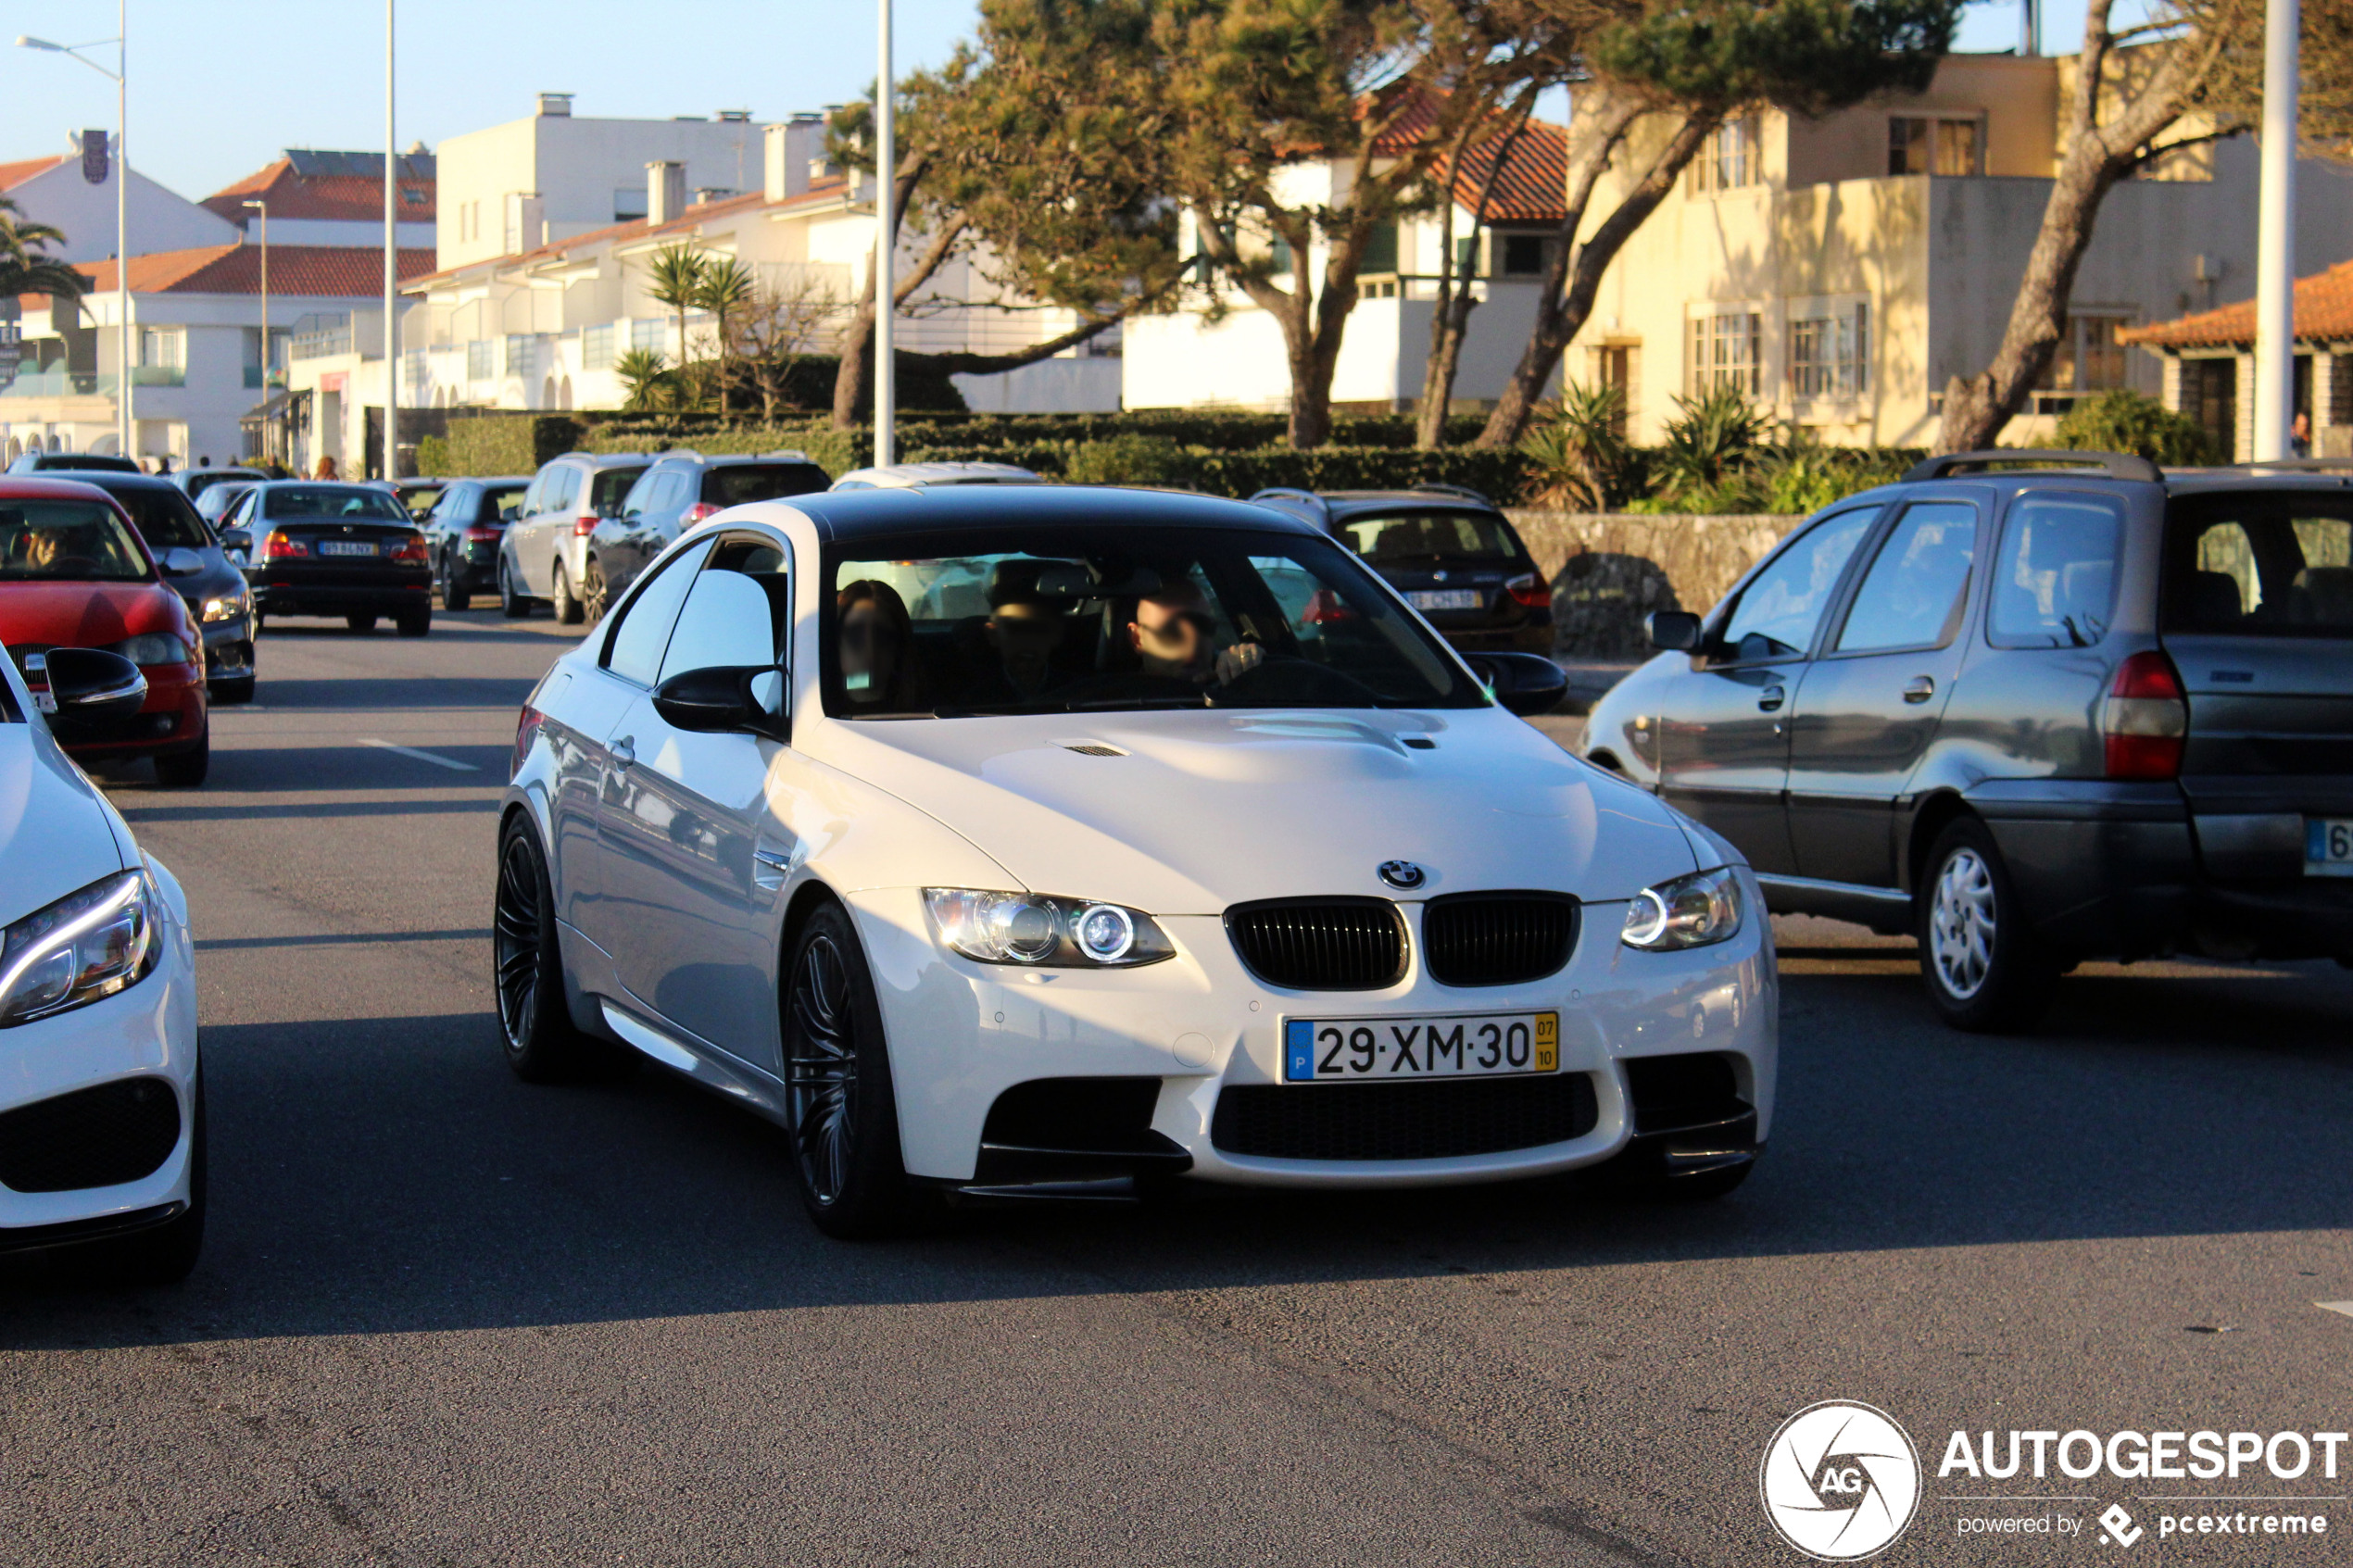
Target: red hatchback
75 573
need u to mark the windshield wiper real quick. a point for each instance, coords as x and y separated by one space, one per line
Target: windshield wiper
1106 703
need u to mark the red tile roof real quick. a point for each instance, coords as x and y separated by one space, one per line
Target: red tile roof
638 227
326 272
15 174
345 197
1533 186
2323 313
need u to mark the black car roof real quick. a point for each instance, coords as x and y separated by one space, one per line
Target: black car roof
848 515
112 479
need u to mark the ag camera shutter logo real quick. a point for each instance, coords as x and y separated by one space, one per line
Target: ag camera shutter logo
1841 1481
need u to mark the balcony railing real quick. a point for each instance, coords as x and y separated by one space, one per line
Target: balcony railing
159 375
321 343
60 383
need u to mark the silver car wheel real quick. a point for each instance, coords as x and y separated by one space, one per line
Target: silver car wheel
821 1069
1961 925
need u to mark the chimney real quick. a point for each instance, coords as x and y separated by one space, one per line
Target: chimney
732 116
775 163
665 191
804 150
555 105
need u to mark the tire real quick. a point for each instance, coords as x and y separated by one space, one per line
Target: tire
594 596
229 694
414 622
570 611
360 622
543 1045
841 1115
453 597
186 770
1979 960
511 605
166 1254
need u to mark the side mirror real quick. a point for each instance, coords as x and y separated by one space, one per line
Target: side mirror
91 689
1674 631
180 561
1524 684
724 699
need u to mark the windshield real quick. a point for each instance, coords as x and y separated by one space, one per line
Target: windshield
67 541
1395 538
333 500
2257 564
214 504
163 518
1056 620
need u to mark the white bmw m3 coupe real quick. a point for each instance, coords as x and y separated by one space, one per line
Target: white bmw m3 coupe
1067 841
101 1114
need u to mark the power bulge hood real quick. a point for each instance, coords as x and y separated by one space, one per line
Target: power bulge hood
1196 811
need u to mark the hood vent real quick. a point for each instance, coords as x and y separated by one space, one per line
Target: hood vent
1090 748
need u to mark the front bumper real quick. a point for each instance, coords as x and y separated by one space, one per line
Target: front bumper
145 1037
228 649
173 719
963 1034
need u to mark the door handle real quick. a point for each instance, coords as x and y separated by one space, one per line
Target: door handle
624 751
1769 701
1921 689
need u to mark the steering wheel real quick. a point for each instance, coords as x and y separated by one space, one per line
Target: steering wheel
1281 679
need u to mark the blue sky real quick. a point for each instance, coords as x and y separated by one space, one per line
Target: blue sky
219 86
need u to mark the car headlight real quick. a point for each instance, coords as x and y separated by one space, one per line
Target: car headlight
227 609
84 947
1044 932
1690 912
155 647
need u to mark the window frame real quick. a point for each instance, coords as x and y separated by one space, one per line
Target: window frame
1721 621
1867 553
781 661
700 550
1701 372
2002 534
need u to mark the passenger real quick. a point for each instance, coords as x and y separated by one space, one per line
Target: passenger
1174 637
880 672
1025 627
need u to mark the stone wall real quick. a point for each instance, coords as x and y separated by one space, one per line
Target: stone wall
1609 570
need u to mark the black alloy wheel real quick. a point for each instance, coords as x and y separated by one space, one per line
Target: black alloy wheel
453 597
543 1045
593 594
840 1109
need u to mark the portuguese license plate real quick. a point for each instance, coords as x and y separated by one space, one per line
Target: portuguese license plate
1355 1050
1447 598
346 547
2328 846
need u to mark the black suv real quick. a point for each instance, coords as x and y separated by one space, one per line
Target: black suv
1449 550
2029 717
678 491
463 530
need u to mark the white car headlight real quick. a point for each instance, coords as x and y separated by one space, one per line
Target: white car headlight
224 609
1690 912
86 945
155 647
1038 930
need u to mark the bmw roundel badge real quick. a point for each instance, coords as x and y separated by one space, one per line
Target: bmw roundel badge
1403 875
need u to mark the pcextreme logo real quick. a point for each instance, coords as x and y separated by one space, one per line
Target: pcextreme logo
1841 1481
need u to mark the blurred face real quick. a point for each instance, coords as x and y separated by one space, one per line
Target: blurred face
869 651
1171 633
1024 635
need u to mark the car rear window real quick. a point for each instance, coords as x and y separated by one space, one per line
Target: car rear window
502 500
735 483
333 500
163 518
609 485
67 541
2260 563
1400 538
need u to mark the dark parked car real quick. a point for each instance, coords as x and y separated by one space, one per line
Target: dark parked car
52 462
2031 717
420 495
677 491
198 482
462 533
315 547
1449 550
195 569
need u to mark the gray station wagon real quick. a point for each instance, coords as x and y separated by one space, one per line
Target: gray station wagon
2031 717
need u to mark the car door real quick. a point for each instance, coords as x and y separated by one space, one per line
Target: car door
445 527
695 858
1723 741
1871 700
546 546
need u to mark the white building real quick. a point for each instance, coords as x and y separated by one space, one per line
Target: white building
52 189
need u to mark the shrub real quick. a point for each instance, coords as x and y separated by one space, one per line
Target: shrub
2129 422
433 454
1132 458
1709 436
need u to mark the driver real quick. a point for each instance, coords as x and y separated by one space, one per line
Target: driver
1174 636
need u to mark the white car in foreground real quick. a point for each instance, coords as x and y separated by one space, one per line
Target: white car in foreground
1053 840
101 1117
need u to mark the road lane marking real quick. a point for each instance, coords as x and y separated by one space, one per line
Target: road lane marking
450 764
2344 1307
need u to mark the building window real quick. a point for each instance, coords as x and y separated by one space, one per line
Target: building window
1727 349
159 347
478 364
2088 360
416 370
595 348
1919 144
1523 255
646 333
518 353
1830 349
1731 157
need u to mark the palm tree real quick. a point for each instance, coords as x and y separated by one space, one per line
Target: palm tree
727 286
26 266
677 273
644 373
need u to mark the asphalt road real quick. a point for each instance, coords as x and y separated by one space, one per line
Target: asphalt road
446 1318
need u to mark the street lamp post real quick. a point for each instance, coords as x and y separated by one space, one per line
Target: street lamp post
885 306
2275 237
120 76
263 207
392 269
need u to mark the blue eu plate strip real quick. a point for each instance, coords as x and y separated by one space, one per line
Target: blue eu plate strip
1299 1049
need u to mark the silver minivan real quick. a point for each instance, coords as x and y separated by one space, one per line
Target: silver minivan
543 557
